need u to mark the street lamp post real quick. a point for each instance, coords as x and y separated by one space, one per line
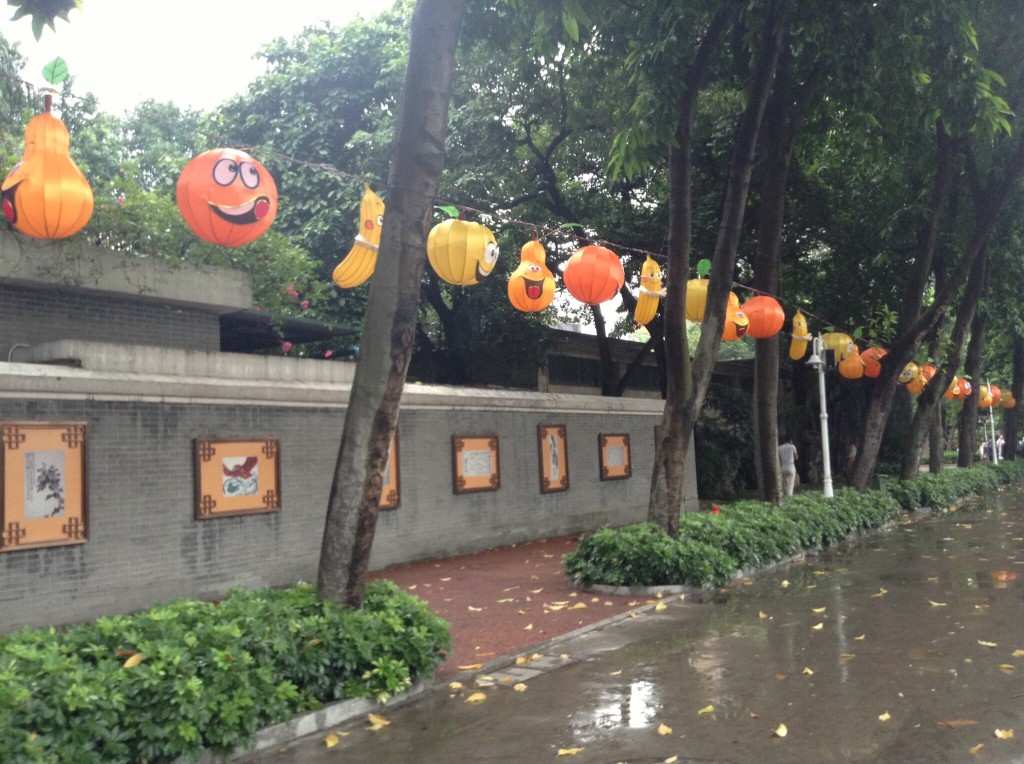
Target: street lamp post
817 360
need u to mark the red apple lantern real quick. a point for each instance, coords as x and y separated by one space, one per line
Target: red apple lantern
593 274
872 358
226 197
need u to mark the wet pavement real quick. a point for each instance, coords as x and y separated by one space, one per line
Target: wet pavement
905 646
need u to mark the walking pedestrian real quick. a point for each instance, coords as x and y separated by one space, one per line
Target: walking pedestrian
788 457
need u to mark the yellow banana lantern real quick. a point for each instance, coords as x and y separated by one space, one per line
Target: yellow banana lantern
360 261
798 343
651 291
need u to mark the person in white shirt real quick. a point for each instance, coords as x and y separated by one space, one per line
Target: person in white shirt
787 461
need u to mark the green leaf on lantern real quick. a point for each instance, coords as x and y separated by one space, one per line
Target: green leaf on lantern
567 226
703 267
56 71
449 209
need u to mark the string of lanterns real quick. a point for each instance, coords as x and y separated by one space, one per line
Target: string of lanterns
228 198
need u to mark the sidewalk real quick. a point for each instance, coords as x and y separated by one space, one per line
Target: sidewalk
505 600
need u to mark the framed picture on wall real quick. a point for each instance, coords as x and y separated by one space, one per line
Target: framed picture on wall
615 460
475 465
43 484
390 493
237 476
554 458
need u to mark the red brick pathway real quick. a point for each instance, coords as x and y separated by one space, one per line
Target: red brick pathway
504 601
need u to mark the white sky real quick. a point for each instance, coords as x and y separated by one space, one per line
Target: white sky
195 53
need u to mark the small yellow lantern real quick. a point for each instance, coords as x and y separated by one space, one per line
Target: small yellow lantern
800 338
651 291
462 252
358 264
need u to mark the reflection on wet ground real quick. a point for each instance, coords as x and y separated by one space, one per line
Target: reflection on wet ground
906 646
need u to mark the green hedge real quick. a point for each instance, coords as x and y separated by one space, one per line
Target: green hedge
752 534
211 674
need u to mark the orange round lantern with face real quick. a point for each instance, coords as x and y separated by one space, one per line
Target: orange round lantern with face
226 197
593 274
872 358
766 316
965 388
852 366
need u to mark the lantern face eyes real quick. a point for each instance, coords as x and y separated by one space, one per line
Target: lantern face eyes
226 197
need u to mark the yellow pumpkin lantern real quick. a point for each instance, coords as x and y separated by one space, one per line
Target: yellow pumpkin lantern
651 291
360 261
45 195
852 365
462 252
800 338
531 287
226 197
593 274
838 342
696 299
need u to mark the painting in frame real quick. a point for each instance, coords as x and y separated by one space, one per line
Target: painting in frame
554 458
237 476
391 489
44 494
475 464
616 462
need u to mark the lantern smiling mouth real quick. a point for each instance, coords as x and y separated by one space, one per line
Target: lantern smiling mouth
534 289
244 214
10 209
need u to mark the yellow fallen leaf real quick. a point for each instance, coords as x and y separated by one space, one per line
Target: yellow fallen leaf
536 591
884 717
477 697
564 656
785 584
535 656
847 656
1004 734
818 626
570 751
470 667
706 710
664 729
977 749
762 615
660 606
616 673
554 607
933 603
882 591
455 686
331 740
1018 653
581 605
817 610
958 723
860 638
671 760
983 643
519 687
808 671
314 641
134 660
682 596
528 627
1007 667
521 660
447 579
377 722
781 731
475 609
506 599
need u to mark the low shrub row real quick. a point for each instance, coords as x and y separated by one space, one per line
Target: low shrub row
189 675
711 548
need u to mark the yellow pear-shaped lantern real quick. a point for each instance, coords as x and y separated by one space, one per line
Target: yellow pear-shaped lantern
651 291
531 287
46 196
852 365
462 252
360 261
696 299
800 338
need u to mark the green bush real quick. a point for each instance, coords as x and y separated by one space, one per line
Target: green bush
210 676
752 534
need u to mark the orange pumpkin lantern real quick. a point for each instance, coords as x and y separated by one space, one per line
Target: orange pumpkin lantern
924 376
965 388
593 274
45 195
953 391
766 316
996 394
852 365
531 287
984 397
462 252
226 197
872 358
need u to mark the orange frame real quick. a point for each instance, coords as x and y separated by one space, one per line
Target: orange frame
475 465
554 458
43 487
237 476
616 461
391 490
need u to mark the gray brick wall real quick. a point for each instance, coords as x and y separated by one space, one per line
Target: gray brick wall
31 315
145 545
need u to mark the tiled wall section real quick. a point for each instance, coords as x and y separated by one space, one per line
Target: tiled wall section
29 316
145 547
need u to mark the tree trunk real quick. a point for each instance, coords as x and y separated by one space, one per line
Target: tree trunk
1011 419
682 408
389 326
969 413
